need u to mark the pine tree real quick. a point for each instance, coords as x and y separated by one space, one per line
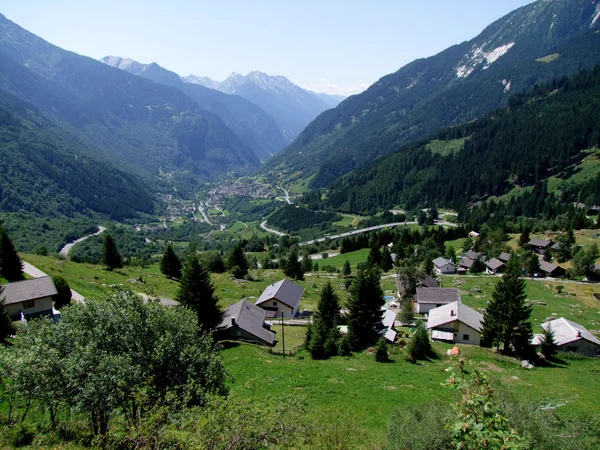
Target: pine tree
386 260
531 263
364 308
291 266
306 263
324 330
170 264
346 269
6 327
419 346
11 266
407 314
63 296
197 292
548 345
110 254
506 319
381 352
524 238
236 262
478 266
374 258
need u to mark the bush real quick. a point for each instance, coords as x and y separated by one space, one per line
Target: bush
419 346
345 346
420 427
381 352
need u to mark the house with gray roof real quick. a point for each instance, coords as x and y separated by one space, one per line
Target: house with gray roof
494 266
539 246
32 298
455 323
280 298
427 281
571 337
551 269
444 266
245 322
430 298
504 257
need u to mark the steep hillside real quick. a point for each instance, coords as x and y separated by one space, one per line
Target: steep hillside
545 135
537 42
292 107
255 128
142 126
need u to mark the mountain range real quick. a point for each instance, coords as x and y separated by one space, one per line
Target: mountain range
532 44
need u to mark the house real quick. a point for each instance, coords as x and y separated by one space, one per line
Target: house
539 246
244 321
472 254
571 337
465 264
456 323
473 234
33 298
551 269
494 266
280 298
444 266
430 298
388 319
427 281
504 257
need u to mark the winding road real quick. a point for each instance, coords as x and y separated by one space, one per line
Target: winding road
263 225
201 209
67 248
287 195
34 272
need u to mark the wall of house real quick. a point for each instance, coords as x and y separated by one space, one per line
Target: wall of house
424 308
463 329
237 334
41 306
272 305
447 269
582 347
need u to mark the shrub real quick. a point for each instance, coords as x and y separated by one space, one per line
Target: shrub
381 352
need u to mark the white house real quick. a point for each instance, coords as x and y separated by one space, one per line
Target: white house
456 323
33 298
281 297
571 337
430 298
444 266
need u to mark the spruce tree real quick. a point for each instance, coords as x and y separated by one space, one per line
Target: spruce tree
346 269
236 262
6 327
548 345
364 308
386 260
478 266
374 258
419 346
11 266
63 296
381 352
524 238
324 333
307 264
197 292
292 267
506 319
110 254
407 314
170 264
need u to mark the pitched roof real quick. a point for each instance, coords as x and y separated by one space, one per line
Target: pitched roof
504 257
452 312
466 262
388 318
494 264
437 295
471 254
540 243
285 291
249 318
21 291
566 331
439 262
428 281
548 267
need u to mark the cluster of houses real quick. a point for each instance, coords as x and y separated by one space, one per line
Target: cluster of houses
496 265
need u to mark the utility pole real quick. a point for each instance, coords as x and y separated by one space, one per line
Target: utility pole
282 334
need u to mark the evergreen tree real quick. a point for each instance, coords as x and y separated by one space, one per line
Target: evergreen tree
381 352
170 265
236 262
345 346
324 334
478 266
6 327
410 276
374 258
451 253
197 292
316 267
548 255
531 263
364 308
419 346
292 267
506 318
346 269
307 264
524 238
407 314
63 296
11 266
386 260
110 254
548 345
429 266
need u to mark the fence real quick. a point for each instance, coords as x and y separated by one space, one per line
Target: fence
291 351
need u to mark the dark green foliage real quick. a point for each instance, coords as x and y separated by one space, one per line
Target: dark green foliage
6 328
11 267
407 313
420 426
524 238
324 332
307 264
197 292
583 261
563 252
291 218
548 345
316 267
346 269
63 297
291 266
345 346
246 209
410 276
111 257
531 263
478 266
170 265
213 261
506 321
381 352
364 308
374 258
236 262
419 346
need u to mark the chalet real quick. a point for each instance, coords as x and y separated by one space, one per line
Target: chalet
504 257
430 298
465 264
444 266
427 281
280 298
571 337
31 298
539 246
456 323
244 321
494 266
472 254
551 269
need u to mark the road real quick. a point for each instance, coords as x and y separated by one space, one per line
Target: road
287 195
263 225
201 209
34 272
67 248
362 230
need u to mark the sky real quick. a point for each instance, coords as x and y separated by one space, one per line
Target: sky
331 46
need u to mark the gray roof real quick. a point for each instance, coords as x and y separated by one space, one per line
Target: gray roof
285 291
504 257
428 281
437 295
566 331
471 254
542 243
466 262
494 264
548 267
440 262
21 291
452 312
249 318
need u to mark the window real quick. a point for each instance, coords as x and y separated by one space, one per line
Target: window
28 304
465 337
274 303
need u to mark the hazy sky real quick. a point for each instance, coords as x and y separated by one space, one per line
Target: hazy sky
331 46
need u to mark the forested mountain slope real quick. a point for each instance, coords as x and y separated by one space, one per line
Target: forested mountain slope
546 134
255 128
142 126
537 42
